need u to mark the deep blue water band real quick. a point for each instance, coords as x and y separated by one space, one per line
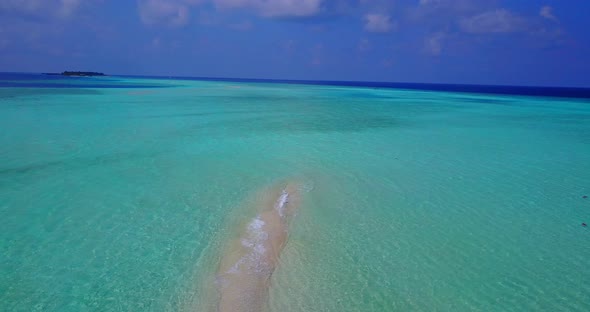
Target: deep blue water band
52 81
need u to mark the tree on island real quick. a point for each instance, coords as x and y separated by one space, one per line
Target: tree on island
81 73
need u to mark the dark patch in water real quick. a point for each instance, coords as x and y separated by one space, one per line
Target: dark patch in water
302 123
186 115
7 93
472 89
72 163
477 100
67 86
368 95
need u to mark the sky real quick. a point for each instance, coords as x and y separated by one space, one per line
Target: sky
518 42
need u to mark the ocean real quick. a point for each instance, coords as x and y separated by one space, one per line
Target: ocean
149 194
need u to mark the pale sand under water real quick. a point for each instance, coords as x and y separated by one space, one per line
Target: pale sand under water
421 201
245 268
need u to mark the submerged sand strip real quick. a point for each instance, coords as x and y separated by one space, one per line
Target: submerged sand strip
244 273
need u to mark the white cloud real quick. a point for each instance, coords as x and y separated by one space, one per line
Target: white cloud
375 22
453 5
497 21
274 8
442 12
377 5
429 2
172 13
433 44
68 7
547 12
176 12
44 8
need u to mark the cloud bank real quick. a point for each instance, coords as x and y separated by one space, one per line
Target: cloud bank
172 13
274 8
378 23
547 12
40 8
496 21
176 12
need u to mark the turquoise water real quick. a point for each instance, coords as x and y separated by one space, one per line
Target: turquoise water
122 199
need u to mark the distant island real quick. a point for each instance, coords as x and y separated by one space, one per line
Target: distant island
77 74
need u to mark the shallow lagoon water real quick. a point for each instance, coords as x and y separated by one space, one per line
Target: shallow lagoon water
122 199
